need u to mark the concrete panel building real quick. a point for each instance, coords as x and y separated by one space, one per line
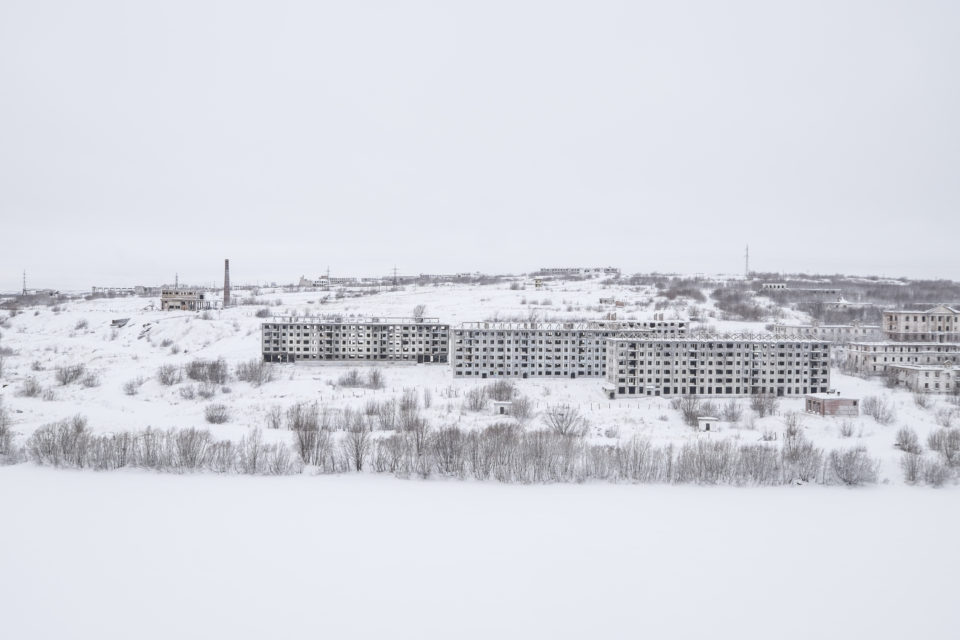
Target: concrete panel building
183 300
835 333
927 378
540 349
873 358
939 324
716 367
293 339
562 272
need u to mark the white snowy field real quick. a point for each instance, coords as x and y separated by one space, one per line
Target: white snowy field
136 554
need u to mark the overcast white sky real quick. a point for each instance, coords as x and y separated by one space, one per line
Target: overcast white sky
140 139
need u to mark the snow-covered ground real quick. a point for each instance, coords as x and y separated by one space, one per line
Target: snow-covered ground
43 339
138 554
133 554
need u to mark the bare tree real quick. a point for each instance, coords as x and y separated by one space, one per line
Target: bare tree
356 444
763 405
564 420
419 311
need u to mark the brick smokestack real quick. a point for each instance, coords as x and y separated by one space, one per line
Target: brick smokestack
226 283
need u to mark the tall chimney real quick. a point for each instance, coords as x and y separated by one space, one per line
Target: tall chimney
226 283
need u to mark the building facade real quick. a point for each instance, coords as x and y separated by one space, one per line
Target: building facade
835 333
539 349
927 378
183 300
712 367
293 339
580 271
828 404
939 324
873 358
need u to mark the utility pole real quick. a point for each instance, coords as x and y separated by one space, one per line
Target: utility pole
746 268
24 282
395 281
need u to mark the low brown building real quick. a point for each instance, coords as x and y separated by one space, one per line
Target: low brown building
828 404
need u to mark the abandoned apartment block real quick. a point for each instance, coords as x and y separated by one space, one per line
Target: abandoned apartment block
543 349
292 339
734 366
939 324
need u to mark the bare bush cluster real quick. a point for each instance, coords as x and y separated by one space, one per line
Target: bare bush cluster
880 408
210 371
69 374
169 375
30 388
216 413
692 409
353 378
764 405
255 371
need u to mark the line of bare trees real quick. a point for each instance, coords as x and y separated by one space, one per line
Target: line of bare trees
505 452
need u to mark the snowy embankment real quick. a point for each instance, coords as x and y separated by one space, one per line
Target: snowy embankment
132 554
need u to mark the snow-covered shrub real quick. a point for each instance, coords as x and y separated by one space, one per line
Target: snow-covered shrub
732 412
132 387
802 460
81 324
169 375
502 390
946 416
764 405
91 379
303 416
476 399
908 441
946 442
350 379
63 443
263 312
213 371
691 409
216 413
6 433
206 390
852 466
187 392
30 388
912 466
69 374
922 400
935 474
409 400
375 379
255 371
522 408
274 417
879 408
846 428
166 342
793 424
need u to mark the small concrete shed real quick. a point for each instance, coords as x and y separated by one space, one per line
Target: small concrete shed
830 404
708 423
